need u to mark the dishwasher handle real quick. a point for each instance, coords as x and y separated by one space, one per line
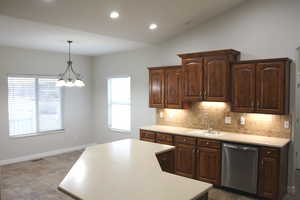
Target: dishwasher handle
237 147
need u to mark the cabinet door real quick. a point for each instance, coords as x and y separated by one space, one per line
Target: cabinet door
185 160
173 88
268 178
216 77
270 83
208 165
156 88
192 79
243 87
166 161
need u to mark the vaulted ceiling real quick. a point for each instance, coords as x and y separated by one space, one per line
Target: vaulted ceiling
46 24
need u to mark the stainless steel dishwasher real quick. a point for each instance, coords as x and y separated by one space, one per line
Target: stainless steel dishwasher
240 167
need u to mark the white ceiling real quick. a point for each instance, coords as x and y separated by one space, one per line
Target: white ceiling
47 24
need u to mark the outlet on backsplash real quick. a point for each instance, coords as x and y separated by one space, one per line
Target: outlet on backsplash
195 117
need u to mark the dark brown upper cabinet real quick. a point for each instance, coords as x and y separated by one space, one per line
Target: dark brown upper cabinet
261 86
216 79
165 87
156 88
243 87
192 79
173 87
207 74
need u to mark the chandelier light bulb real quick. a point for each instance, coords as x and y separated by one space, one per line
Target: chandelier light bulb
79 83
60 83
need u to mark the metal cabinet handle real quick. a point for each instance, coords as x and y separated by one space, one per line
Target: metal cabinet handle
207 143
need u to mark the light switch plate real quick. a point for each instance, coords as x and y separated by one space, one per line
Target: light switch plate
286 124
242 121
227 120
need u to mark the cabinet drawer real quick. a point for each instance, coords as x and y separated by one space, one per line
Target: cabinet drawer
148 139
164 137
147 134
270 152
185 140
209 143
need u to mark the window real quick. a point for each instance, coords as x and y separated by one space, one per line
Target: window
34 105
119 104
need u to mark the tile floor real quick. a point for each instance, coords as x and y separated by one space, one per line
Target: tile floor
38 180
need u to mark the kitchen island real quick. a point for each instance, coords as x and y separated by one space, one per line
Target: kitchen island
128 169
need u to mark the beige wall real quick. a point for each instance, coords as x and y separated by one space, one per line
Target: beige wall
77 107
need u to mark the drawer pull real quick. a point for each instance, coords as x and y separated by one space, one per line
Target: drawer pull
268 152
207 143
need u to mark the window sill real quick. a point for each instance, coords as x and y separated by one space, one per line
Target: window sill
38 134
120 131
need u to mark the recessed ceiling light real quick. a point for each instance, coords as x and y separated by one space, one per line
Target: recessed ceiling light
152 26
114 15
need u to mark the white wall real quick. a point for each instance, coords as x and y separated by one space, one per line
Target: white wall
257 28
77 109
135 65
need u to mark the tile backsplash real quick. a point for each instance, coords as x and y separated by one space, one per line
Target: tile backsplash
200 113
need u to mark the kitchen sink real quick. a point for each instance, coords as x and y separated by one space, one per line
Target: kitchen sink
206 132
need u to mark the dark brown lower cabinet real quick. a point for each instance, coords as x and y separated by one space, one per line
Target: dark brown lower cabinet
201 159
166 161
185 160
208 165
273 173
162 138
147 136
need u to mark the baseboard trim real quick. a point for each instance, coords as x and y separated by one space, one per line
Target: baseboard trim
44 154
291 190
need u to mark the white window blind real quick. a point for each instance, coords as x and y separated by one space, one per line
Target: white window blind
34 105
119 105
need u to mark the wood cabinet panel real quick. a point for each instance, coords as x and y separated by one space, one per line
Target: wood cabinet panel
208 165
147 136
164 138
185 160
166 161
270 87
156 88
268 176
243 87
192 79
173 87
209 143
185 140
261 86
216 78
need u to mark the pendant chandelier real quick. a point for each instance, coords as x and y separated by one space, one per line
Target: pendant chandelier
69 78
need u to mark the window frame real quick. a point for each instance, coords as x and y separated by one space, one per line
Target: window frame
62 95
109 103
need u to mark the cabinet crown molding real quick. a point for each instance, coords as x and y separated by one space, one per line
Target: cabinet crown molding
263 60
210 53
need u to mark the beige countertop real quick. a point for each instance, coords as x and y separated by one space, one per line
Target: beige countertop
224 136
129 170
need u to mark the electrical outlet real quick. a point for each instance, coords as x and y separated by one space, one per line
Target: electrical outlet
161 114
242 121
286 124
227 120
